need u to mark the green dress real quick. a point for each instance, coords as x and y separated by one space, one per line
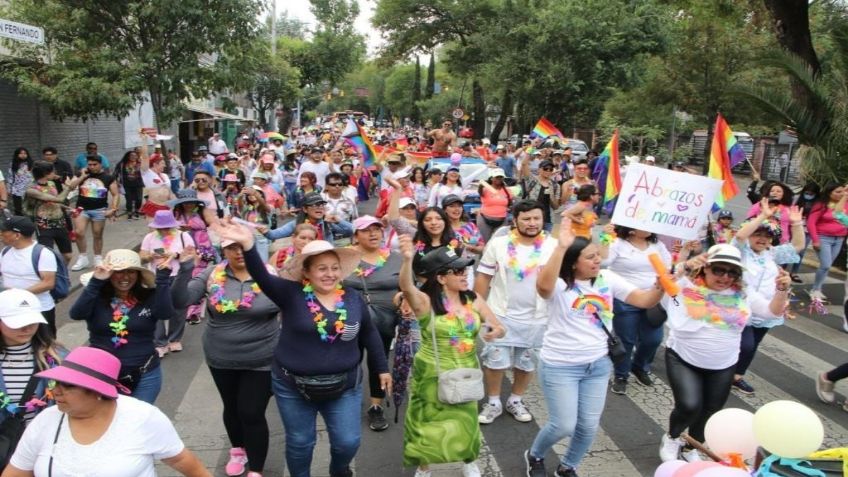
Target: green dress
435 432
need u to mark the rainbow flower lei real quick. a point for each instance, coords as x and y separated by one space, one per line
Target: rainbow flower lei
120 316
461 333
532 262
34 403
381 260
216 292
318 317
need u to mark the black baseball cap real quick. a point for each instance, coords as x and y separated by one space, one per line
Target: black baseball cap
442 258
20 224
313 198
451 199
546 163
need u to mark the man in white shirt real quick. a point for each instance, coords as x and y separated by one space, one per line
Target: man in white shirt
16 267
339 208
217 146
316 165
510 264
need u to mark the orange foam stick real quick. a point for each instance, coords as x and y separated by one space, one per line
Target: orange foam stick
668 283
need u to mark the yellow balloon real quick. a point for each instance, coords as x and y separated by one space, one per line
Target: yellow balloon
788 429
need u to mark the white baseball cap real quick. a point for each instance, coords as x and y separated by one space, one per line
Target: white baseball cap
406 202
19 308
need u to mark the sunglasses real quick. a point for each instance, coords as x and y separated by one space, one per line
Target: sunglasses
456 271
730 272
547 169
334 184
199 180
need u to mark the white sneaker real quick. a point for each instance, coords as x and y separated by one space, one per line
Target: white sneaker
824 389
80 264
489 413
423 473
519 411
845 324
471 470
98 260
670 447
817 294
691 455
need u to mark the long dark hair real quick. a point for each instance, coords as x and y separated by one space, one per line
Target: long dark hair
445 177
44 347
569 262
623 232
423 236
805 204
824 197
16 162
415 171
787 192
433 289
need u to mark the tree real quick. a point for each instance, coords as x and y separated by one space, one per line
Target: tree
107 56
398 85
275 83
430 88
416 91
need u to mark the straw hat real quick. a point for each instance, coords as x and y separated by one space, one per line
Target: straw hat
124 259
348 258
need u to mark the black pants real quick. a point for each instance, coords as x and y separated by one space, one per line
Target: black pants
698 394
837 373
50 316
245 394
133 196
751 338
55 237
386 337
17 205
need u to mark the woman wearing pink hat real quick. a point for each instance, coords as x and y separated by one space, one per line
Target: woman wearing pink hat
95 432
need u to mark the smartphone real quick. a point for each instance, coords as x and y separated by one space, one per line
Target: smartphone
159 251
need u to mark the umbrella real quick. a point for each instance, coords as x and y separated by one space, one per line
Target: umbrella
402 363
273 136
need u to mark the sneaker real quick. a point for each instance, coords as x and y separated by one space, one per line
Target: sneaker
619 386
80 264
845 324
193 320
489 413
376 420
563 471
824 389
345 473
643 377
690 455
845 405
238 459
175 347
423 473
535 467
98 260
743 387
670 447
795 278
519 411
163 350
471 470
817 295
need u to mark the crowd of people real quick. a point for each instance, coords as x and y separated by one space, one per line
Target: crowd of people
270 248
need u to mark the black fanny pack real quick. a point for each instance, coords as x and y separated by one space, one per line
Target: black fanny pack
493 222
131 377
615 349
320 387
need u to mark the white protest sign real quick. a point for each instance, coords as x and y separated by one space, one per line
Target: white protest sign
665 202
21 32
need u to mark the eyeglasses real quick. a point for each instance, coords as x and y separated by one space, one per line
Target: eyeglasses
730 272
334 184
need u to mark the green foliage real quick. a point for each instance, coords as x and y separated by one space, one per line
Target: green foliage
104 56
275 82
399 84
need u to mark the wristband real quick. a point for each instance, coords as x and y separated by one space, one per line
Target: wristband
606 238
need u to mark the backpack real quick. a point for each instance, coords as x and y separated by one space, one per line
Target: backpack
62 286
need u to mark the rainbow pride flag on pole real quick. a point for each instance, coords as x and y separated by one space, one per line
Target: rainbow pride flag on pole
607 173
725 153
545 129
356 137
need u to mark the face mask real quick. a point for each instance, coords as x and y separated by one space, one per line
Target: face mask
808 196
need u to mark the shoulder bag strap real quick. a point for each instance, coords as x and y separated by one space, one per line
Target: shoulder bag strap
606 330
435 345
30 387
53 450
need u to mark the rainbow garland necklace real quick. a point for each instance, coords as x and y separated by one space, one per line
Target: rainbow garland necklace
381 260
216 292
120 317
167 239
35 402
532 263
318 316
461 332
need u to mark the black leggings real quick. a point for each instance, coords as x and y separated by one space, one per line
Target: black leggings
698 394
837 373
751 338
133 196
245 394
373 377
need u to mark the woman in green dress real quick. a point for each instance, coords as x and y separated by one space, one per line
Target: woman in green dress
436 432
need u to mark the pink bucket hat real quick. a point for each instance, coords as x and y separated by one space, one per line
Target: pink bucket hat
89 368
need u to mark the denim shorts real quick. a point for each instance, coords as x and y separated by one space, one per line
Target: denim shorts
96 215
500 357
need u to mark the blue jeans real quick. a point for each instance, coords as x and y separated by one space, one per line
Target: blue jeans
175 185
575 396
797 266
828 251
632 328
548 226
262 246
149 386
341 415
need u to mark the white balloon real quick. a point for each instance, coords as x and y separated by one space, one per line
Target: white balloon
731 431
788 429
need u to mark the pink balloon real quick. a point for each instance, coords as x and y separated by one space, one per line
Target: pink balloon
692 468
667 469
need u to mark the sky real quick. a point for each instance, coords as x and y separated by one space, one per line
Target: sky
300 9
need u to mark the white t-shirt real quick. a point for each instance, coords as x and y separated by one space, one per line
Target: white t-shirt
320 169
386 173
574 334
761 270
153 180
704 326
217 147
440 191
633 264
16 267
139 435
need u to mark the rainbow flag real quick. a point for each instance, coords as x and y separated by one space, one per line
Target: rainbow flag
607 173
356 137
725 153
545 129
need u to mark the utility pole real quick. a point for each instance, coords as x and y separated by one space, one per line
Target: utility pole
272 122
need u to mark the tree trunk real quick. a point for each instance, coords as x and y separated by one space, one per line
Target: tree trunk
284 123
708 145
478 121
431 77
506 109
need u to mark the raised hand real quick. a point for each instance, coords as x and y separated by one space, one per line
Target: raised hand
102 271
407 250
229 230
765 209
566 235
795 214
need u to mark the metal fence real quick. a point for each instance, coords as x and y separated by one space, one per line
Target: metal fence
771 168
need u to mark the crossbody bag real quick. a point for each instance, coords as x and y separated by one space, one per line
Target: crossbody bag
460 385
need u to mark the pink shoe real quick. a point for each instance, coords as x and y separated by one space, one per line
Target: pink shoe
238 458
